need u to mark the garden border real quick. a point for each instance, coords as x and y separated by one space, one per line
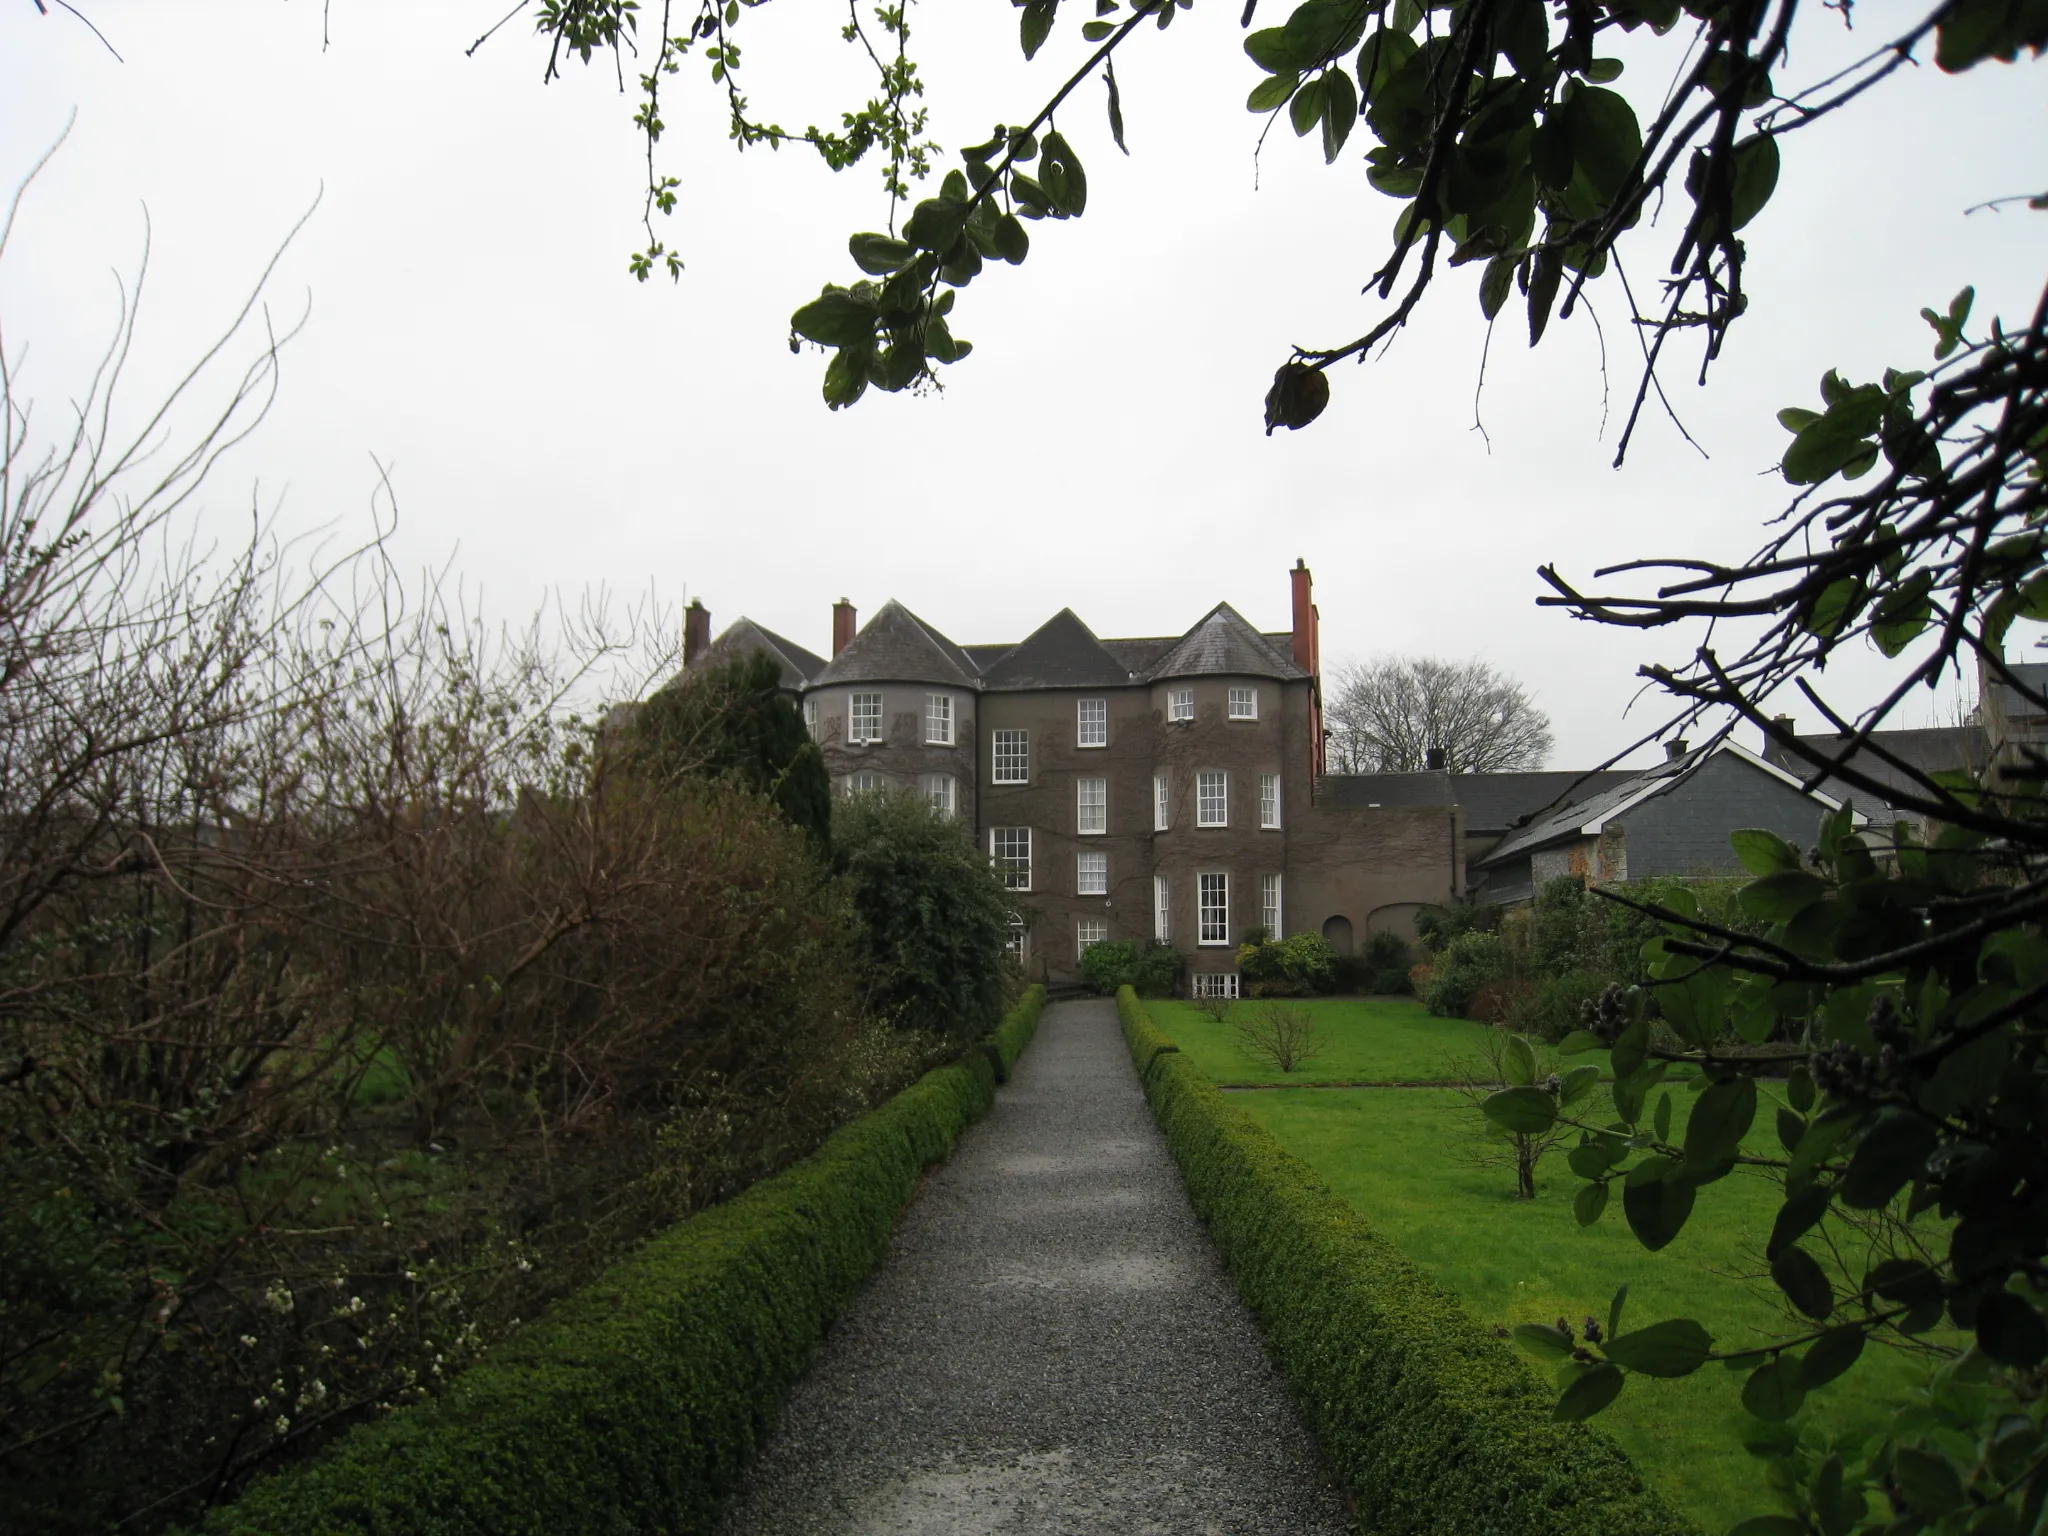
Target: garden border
635 1402
1429 1421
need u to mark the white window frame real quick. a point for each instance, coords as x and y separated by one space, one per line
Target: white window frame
1091 722
1202 797
811 718
1180 704
1003 843
1091 874
1162 909
1269 801
865 782
1244 704
1269 904
854 713
1217 881
1213 984
1012 766
1091 807
939 792
938 720
1162 802
1089 931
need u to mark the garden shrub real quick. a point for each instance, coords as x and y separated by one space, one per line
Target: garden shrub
1551 1006
1431 1423
1150 969
1296 967
634 1404
1470 961
1440 927
1387 960
933 918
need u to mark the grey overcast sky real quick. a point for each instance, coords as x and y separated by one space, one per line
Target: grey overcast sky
561 427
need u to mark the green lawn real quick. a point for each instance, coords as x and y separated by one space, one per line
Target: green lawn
1370 1040
1402 1158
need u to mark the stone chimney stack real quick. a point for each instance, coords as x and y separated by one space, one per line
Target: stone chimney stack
842 625
696 632
1307 623
1674 749
1435 759
1776 734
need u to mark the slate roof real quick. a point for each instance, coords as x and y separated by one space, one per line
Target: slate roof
1061 653
896 646
1224 643
986 656
1935 749
1493 802
1139 655
743 637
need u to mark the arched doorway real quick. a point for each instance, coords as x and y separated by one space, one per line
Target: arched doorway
1337 930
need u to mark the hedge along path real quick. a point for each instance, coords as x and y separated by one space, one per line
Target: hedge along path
634 1404
1052 1347
1432 1423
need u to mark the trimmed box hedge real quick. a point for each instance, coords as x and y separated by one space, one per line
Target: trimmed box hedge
634 1404
1432 1423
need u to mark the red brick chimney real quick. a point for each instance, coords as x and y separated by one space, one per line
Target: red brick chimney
696 631
1307 641
842 625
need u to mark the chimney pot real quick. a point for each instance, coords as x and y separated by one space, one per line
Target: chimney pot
1435 758
842 625
1674 749
696 631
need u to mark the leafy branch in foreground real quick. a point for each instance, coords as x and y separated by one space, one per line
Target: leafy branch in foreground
1897 999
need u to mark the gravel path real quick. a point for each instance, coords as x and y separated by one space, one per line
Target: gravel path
1052 1346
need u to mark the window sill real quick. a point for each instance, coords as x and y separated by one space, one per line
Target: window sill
1098 832
1212 943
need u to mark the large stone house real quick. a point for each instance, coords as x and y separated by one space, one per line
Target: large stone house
1164 787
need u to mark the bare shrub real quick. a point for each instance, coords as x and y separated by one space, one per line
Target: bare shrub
1212 1006
1284 1036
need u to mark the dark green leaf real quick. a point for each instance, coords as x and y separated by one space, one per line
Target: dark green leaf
1578 1042
1588 1394
1588 1204
1546 271
1756 178
1494 286
1013 243
1306 110
1096 31
1676 1347
1060 173
1605 139
1928 1480
880 254
1297 396
1600 71
1780 897
1631 1049
1614 1311
1832 1354
1894 1151
846 377
1340 112
1578 1082
1790 1128
2010 1331
1804 1283
1660 1122
1517 1061
1525 1111
1719 1122
1272 92
1274 52
1544 1341
1656 1205
1036 23
1762 852
835 319
935 224
1803 1208
1799 1090
1116 106
1773 1391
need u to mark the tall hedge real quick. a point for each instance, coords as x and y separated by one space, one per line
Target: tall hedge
1431 1422
634 1404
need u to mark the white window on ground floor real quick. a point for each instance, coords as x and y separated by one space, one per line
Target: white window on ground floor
865 782
1214 983
1162 909
1214 908
937 789
1089 930
1269 903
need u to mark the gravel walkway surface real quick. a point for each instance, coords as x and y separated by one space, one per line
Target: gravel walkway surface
1051 1347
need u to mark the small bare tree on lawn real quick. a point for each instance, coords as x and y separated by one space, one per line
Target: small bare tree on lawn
1283 1035
1508 1070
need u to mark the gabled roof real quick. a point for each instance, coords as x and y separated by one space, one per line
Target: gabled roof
896 646
1933 749
1224 643
744 637
986 656
1140 655
1061 653
1588 816
1492 802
